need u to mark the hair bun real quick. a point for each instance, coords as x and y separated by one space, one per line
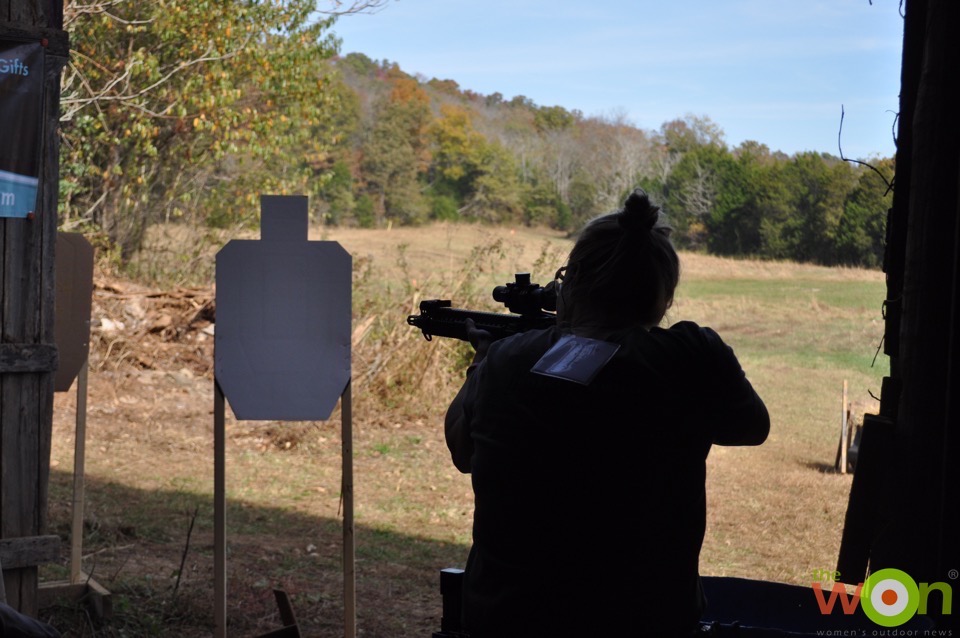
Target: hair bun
638 213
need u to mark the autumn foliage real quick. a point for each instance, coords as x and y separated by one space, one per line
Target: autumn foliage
188 111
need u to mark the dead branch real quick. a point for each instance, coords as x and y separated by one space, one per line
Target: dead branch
845 159
340 8
186 550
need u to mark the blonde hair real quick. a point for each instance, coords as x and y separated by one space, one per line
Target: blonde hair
623 267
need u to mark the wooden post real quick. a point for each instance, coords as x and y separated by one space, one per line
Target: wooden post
219 513
26 313
220 518
349 553
79 457
844 435
74 291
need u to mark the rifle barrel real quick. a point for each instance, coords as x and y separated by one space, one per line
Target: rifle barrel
437 318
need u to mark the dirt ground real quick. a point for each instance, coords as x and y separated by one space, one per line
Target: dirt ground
775 512
149 484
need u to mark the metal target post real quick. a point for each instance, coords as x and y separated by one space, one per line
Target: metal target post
282 352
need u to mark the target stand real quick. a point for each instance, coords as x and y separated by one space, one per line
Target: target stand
74 294
282 352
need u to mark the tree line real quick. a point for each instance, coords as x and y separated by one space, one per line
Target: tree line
189 110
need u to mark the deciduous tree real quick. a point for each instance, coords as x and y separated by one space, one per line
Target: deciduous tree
862 228
172 107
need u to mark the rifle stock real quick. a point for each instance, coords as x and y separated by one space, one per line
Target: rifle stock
438 319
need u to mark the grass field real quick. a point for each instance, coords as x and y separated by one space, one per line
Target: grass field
774 512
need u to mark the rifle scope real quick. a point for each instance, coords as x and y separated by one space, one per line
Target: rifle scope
526 298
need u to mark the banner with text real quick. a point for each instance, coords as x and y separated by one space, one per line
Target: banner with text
21 107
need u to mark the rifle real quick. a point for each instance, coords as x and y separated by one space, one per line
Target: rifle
527 303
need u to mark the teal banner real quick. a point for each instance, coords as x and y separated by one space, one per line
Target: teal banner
21 109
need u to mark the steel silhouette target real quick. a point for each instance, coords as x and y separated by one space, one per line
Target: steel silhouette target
74 290
282 340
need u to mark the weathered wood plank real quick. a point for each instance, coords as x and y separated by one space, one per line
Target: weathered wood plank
21 588
12 445
29 551
18 417
7 447
11 587
46 235
88 591
26 313
28 12
18 493
44 444
20 401
28 357
58 42
13 328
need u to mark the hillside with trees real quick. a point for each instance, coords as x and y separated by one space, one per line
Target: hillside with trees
172 112
421 150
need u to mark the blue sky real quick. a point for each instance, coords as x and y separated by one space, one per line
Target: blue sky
775 71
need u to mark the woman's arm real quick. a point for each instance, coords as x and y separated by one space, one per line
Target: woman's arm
744 419
457 422
457 432
738 413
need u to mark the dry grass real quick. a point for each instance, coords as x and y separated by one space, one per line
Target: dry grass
775 512
707 267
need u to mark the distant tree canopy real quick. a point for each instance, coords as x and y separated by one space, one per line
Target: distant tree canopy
475 157
190 110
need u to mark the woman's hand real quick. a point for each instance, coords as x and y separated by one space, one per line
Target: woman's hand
455 425
479 339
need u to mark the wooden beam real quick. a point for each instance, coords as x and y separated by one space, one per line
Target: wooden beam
87 590
29 551
58 42
28 357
